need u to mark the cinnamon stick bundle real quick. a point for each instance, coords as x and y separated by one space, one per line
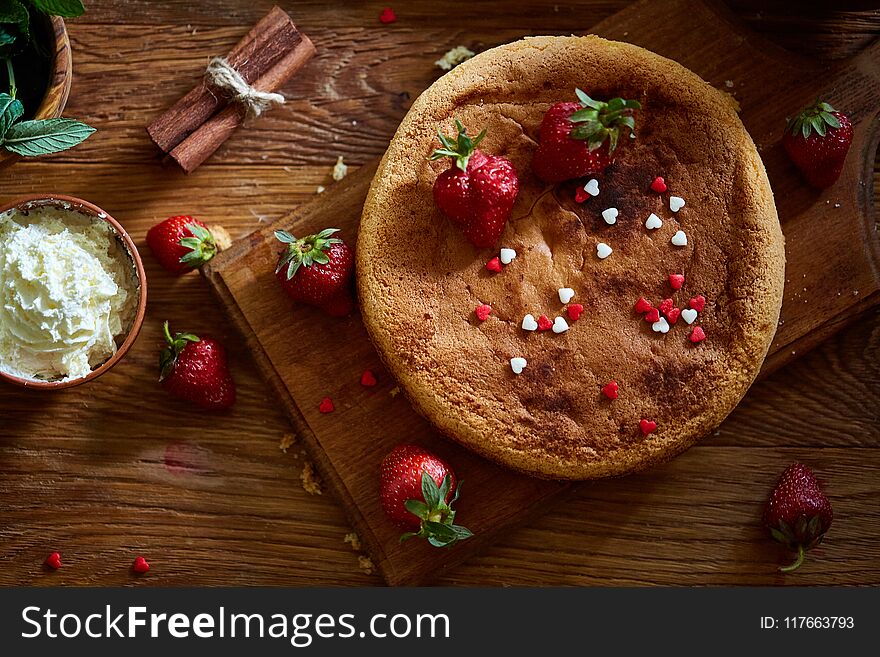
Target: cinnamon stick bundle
266 58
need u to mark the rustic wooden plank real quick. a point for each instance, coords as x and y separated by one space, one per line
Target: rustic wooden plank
84 471
825 264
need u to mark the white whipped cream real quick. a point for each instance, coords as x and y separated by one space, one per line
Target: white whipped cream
68 291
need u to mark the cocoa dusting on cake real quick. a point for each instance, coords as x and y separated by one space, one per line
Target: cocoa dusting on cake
681 216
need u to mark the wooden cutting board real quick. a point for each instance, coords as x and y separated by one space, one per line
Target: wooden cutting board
833 274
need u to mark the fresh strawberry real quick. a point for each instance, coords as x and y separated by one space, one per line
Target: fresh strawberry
317 270
181 244
417 490
581 138
195 369
477 191
798 513
817 141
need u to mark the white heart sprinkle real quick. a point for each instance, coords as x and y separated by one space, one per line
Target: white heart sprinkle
565 294
679 239
560 325
610 216
518 364
661 327
506 256
592 187
689 315
529 323
676 203
603 250
653 222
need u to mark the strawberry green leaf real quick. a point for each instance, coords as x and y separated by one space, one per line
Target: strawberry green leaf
306 251
174 346
417 508
816 118
459 149
201 246
430 491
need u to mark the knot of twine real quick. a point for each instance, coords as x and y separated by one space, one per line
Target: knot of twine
221 75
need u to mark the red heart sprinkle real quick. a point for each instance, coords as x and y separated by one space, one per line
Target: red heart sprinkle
698 303
544 323
482 311
666 305
494 264
368 379
140 565
574 311
54 560
647 426
652 315
326 405
659 185
676 281
643 305
610 390
581 195
387 15
673 315
697 335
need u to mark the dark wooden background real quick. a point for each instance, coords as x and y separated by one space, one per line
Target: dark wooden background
111 470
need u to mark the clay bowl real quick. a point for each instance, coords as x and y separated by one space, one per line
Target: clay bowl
58 87
70 203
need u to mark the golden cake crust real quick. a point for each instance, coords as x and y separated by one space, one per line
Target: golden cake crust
419 280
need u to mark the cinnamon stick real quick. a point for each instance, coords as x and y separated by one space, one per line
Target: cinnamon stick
202 143
269 42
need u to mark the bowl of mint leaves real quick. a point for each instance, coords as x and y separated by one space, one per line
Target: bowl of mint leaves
35 76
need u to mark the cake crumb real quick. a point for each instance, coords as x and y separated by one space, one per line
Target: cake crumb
311 483
394 391
354 540
454 57
287 440
366 565
319 189
728 84
340 170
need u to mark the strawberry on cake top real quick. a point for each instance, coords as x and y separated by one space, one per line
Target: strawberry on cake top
625 307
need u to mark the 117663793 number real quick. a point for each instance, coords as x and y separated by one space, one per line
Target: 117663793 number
818 622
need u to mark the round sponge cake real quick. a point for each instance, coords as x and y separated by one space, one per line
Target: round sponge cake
420 281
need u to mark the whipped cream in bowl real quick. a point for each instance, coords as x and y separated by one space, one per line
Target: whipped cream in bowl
72 292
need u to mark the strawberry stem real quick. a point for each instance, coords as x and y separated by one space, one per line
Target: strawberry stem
599 121
797 563
817 117
436 514
305 251
175 345
201 246
459 149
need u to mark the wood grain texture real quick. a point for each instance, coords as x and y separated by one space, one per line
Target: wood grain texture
302 357
105 472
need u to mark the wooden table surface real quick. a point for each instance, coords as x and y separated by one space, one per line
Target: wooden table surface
105 472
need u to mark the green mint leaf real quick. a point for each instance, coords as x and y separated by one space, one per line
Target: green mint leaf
11 110
5 37
63 8
33 138
14 12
